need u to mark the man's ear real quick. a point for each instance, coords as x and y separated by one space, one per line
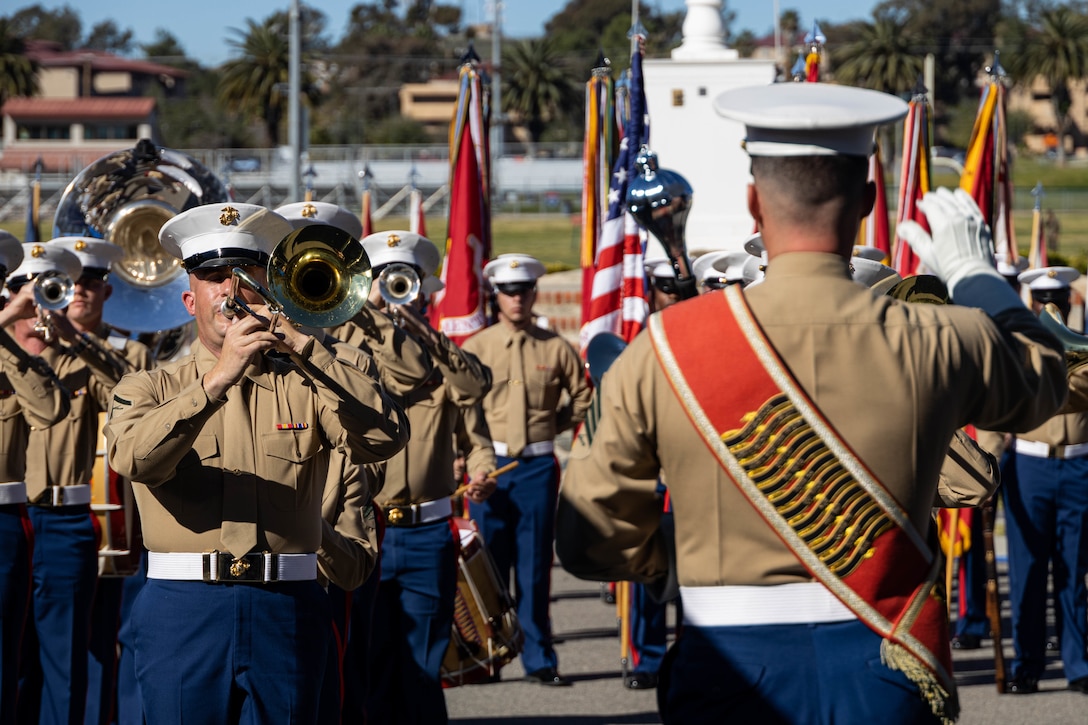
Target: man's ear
189 300
754 207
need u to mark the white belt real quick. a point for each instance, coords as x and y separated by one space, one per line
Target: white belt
739 606
14 492
417 513
540 448
1038 449
78 495
216 566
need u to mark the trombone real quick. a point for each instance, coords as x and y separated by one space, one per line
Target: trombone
53 290
318 276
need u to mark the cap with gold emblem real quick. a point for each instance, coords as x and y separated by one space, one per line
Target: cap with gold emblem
861 250
222 235
96 255
877 276
726 267
809 119
514 269
38 258
1048 278
11 252
1009 269
303 213
404 247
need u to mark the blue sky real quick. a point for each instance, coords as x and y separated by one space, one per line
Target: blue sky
201 25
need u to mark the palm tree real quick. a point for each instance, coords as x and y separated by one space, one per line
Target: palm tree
256 83
882 57
1057 50
18 73
537 88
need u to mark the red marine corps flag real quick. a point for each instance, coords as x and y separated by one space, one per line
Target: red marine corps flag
874 230
986 174
459 309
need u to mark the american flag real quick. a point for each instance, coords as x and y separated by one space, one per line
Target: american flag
914 181
617 303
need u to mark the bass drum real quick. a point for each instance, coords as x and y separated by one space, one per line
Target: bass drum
115 519
486 632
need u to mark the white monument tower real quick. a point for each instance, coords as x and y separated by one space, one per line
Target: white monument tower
690 138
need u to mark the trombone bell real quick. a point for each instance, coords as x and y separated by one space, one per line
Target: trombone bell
320 276
399 284
1074 344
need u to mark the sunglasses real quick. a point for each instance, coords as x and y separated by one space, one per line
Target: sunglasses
513 289
666 285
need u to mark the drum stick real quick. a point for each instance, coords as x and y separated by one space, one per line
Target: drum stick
494 474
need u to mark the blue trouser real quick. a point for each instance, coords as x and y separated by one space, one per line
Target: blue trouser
231 653
648 631
413 617
102 652
517 523
53 687
14 600
129 711
1046 513
972 619
804 674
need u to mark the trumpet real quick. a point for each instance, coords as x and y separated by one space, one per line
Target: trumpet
399 283
53 290
318 276
1074 344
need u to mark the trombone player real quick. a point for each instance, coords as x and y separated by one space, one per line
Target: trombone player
418 582
60 462
30 395
228 450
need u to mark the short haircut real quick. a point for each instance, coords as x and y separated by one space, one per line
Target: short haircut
812 180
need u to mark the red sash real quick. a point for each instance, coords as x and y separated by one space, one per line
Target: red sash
803 479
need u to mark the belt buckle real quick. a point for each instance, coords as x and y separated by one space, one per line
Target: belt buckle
394 515
221 568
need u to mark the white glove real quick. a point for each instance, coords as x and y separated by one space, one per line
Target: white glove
959 249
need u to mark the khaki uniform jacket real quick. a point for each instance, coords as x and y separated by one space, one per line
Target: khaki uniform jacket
403 362
969 474
895 380
274 431
551 368
64 454
30 397
472 439
423 471
349 531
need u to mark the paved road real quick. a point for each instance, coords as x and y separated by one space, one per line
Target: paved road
588 651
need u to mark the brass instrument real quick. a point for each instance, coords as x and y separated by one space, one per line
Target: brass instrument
53 291
660 199
124 198
399 283
318 276
1074 344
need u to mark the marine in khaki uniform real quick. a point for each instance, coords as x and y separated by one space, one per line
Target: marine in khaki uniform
413 613
30 396
110 679
532 370
402 362
229 450
60 463
786 556
1046 518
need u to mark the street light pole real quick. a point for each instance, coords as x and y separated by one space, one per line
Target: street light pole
293 101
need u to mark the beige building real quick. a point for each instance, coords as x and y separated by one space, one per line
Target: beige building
91 103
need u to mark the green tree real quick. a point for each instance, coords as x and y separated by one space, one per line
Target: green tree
583 27
256 83
1054 47
883 56
18 73
537 87
108 37
62 26
745 43
167 50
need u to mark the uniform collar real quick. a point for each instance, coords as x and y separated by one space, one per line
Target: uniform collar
808 264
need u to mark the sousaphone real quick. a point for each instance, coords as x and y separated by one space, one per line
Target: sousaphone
124 198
